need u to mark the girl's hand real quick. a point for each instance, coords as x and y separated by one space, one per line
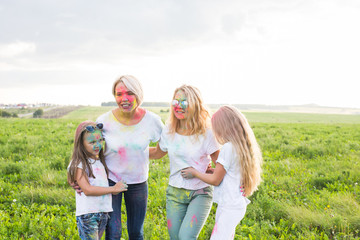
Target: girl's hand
120 187
210 169
188 173
76 187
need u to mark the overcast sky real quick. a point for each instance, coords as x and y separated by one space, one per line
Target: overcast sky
276 52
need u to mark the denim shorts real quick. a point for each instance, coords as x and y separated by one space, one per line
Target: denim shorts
92 225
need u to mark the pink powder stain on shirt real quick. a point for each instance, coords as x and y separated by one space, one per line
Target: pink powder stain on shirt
169 224
118 177
97 170
122 153
192 221
100 172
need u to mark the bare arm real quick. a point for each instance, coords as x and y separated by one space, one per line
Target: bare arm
90 190
156 152
214 156
213 179
74 184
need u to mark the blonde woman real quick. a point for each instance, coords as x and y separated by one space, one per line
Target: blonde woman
128 130
189 142
237 171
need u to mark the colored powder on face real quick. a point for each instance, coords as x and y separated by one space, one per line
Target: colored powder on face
98 145
134 104
180 96
93 136
180 106
122 94
169 224
95 139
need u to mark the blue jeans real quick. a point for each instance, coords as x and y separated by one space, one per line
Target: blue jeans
187 211
136 203
92 225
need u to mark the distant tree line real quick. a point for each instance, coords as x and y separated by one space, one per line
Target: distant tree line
218 105
213 106
6 114
108 104
144 104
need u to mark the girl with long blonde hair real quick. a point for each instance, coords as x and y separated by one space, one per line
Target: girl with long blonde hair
237 173
189 142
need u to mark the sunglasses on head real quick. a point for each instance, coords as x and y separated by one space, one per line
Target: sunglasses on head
91 128
182 103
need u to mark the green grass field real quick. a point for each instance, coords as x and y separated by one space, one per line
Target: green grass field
310 187
91 113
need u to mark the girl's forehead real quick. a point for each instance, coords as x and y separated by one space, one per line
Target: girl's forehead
93 134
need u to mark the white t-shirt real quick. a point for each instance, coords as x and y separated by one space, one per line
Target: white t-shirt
229 192
127 147
94 204
187 151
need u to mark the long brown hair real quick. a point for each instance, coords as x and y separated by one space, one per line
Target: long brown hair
230 125
81 155
198 115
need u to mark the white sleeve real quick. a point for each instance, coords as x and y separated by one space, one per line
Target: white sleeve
163 143
210 142
225 156
157 128
80 165
100 119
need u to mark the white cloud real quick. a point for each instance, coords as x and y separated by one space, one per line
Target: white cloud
275 52
16 49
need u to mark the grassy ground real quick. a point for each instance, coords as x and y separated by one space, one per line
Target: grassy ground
310 188
92 113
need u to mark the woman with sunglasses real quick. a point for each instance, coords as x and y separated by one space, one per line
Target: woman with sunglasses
189 142
89 170
128 130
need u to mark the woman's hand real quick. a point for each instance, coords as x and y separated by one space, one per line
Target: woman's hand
188 173
120 187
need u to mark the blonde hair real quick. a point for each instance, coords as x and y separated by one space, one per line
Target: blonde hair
133 84
230 125
81 155
198 116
